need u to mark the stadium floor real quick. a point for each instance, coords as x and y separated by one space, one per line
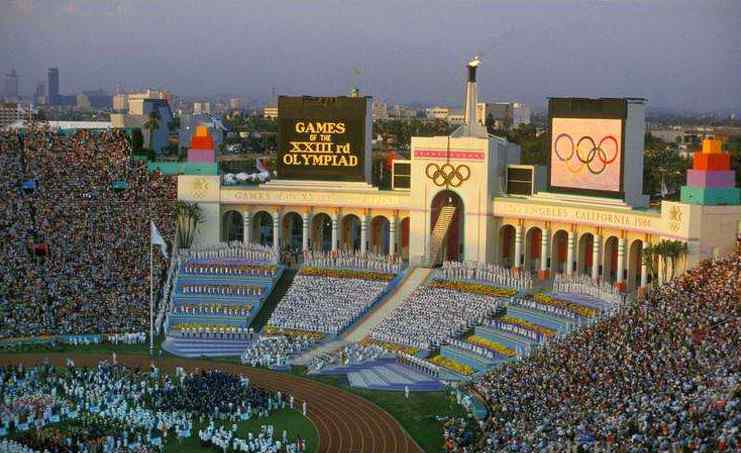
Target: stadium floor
345 422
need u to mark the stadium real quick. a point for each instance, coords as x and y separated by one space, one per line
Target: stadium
479 305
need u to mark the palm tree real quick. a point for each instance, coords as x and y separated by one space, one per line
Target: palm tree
189 216
676 250
651 260
152 124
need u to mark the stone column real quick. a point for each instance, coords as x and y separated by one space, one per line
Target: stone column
306 218
570 254
619 283
335 232
596 256
364 234
544 255
276 231
392 235
518 247
644 271
247 233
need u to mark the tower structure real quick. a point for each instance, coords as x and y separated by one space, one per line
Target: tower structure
711 181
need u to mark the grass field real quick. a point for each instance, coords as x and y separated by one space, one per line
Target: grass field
416 414
284 419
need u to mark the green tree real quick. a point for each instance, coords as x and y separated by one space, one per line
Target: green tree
152 125
189 216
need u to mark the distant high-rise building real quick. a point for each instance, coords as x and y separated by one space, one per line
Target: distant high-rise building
201 107
234 104
53 96
380 110
40 91
11 85
270 112
83 102
520 114
120 102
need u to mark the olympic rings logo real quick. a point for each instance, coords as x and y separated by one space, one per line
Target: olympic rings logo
594 156
447 174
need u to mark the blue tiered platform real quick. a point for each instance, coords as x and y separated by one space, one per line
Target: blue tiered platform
197 345
519 343
384 374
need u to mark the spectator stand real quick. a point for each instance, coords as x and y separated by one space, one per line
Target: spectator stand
217 292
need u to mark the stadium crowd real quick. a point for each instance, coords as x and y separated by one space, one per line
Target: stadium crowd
662 374
430 316
84 205
324 304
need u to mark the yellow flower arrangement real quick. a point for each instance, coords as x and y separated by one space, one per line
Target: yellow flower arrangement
345 273
270 331
451 364
491 345
581 310
474 288
545 331
391 347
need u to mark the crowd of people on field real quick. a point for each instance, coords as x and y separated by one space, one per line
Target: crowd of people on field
324 304
349 354
113 408
662 374
430 316
275 350
75 212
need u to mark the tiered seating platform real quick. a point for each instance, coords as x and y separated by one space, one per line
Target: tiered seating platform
197 347
193 345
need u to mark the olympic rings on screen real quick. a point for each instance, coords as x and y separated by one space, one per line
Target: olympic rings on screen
447 174
594 156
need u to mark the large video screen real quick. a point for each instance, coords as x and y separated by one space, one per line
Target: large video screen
321 139
586 154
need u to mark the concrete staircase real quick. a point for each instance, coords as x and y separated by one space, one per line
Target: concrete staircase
362 327
439 233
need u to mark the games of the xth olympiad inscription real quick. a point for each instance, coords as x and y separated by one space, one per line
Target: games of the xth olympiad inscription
322 138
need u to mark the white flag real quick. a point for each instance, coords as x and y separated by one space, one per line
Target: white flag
157 240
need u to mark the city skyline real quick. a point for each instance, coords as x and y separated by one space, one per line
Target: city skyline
679 55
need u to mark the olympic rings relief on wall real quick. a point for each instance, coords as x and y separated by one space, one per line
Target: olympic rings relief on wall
448 174
586 153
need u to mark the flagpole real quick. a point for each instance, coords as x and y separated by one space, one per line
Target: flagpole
151 297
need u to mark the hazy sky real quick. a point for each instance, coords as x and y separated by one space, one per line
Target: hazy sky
680 54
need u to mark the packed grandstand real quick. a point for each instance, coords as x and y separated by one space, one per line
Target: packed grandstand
74 221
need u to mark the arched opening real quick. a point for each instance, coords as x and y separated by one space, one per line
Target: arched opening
292 231
533 240
379 235
507 245
559 252
404 243
452 238
350 232
263 228
635 260
586 246
321 232
609 260
232 227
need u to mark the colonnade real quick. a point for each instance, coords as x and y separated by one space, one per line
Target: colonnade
603 257
378 233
